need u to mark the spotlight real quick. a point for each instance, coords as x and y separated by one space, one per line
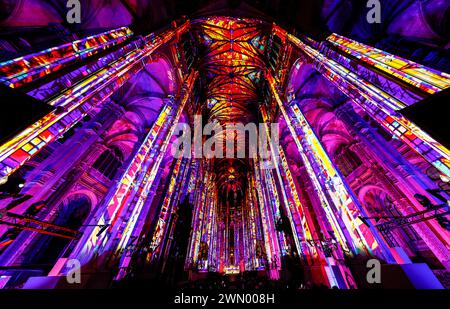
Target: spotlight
3 180
13 186
444 178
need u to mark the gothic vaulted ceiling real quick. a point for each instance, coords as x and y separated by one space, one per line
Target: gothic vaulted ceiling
232 66
232 52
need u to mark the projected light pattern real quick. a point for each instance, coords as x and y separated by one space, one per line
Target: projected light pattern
142 196
232 66
120 194
17 72
255 245
272 245
289 193
77 101
345 207
142 170
273 199
233 63
65 82
210 235
393 86
199 221
209 238
309 247
311 206
419 76
381 106
195 167
168 202
26 144
209 232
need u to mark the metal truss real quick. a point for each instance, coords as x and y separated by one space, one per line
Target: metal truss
28 223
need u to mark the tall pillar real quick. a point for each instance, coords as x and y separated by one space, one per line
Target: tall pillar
52 179
378 103
268 211
342 207
74 102
122 207
409 179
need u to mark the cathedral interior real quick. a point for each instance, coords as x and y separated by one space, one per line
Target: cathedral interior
358 173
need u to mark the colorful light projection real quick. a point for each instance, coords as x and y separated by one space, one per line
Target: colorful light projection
198 254
77 101
209 247
129 233
120 193
326 205
340 204
26 144
233 64
380 105
250 241
195 237
295 210
255 243
273 247
274 200
17 72
419 76
195 168
234 61
210 236
56 86
312 247
138 178
273 197
226 235
143 195
400 91
142 201
176 179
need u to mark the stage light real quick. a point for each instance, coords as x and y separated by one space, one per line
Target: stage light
444 178
3 180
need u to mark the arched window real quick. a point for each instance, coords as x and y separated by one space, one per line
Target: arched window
346 160
109 162
47 249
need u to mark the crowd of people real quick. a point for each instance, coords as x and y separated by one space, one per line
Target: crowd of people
246 281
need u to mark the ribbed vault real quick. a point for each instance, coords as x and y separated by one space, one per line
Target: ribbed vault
232 53
232 66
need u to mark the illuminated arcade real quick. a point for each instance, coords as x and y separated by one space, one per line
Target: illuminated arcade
360 170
